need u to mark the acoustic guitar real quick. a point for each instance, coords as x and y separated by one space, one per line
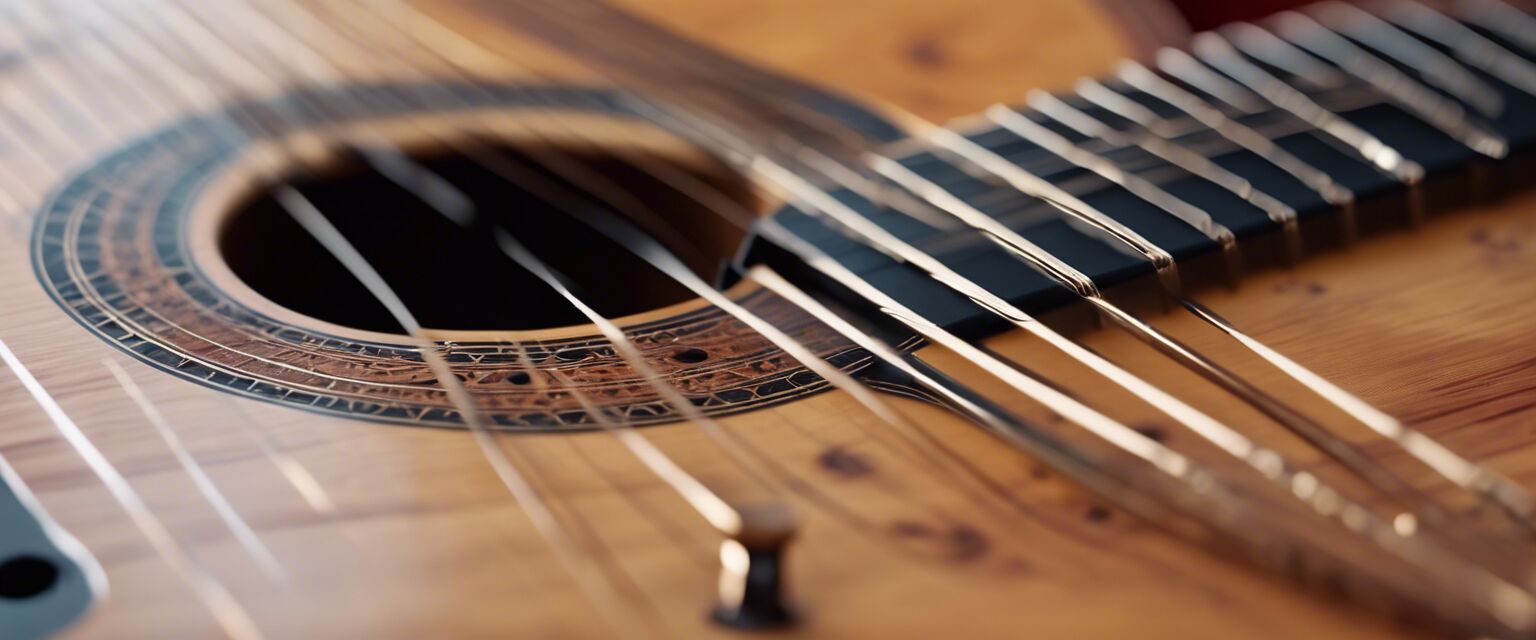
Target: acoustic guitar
677 319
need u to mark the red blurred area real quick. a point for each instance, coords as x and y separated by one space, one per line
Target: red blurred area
1206 14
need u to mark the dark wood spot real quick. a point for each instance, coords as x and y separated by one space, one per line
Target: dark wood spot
1152 431
926 52
911 529
1016 566
1097 513
1039 472
1316 288
967 544
845 463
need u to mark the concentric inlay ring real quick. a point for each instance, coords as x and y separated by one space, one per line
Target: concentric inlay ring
112 249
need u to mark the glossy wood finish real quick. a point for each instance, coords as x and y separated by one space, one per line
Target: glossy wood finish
1434 326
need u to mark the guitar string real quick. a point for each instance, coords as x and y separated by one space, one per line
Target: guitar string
471 45
467 45
243 534
1303 31
508 172
1468 46
321 501
1032 254
1313 432
629 244
1182 412
913 437
729 519
1220 55
732 447
1058 145
220 602
1437 69
1307 428
1467 474
1191 162
633 201
593 581
303 481
418 29
1515 603
1464 473
227 612
1139 77
938 136
248 539
1502 19
1407 524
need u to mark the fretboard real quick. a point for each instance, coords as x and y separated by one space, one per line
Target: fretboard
1292 99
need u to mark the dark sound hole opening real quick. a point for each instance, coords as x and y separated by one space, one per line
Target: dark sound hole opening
23 577
456 278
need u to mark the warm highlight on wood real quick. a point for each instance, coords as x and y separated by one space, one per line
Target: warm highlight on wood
422 540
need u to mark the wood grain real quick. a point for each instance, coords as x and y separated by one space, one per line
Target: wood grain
1434 326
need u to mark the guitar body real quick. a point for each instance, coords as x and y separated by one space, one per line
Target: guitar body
420 538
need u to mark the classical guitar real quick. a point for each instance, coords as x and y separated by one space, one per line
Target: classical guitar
676 319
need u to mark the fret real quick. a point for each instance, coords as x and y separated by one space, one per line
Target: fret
1485 62
1194 178
1220 55
1411 55
1465 44
1240 152
1141 220
1198 163
1498 18
1258 157
1443 113
1234 94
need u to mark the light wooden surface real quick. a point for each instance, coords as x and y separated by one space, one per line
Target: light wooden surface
1434 326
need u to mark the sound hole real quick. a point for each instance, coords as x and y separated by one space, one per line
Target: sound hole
452 277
